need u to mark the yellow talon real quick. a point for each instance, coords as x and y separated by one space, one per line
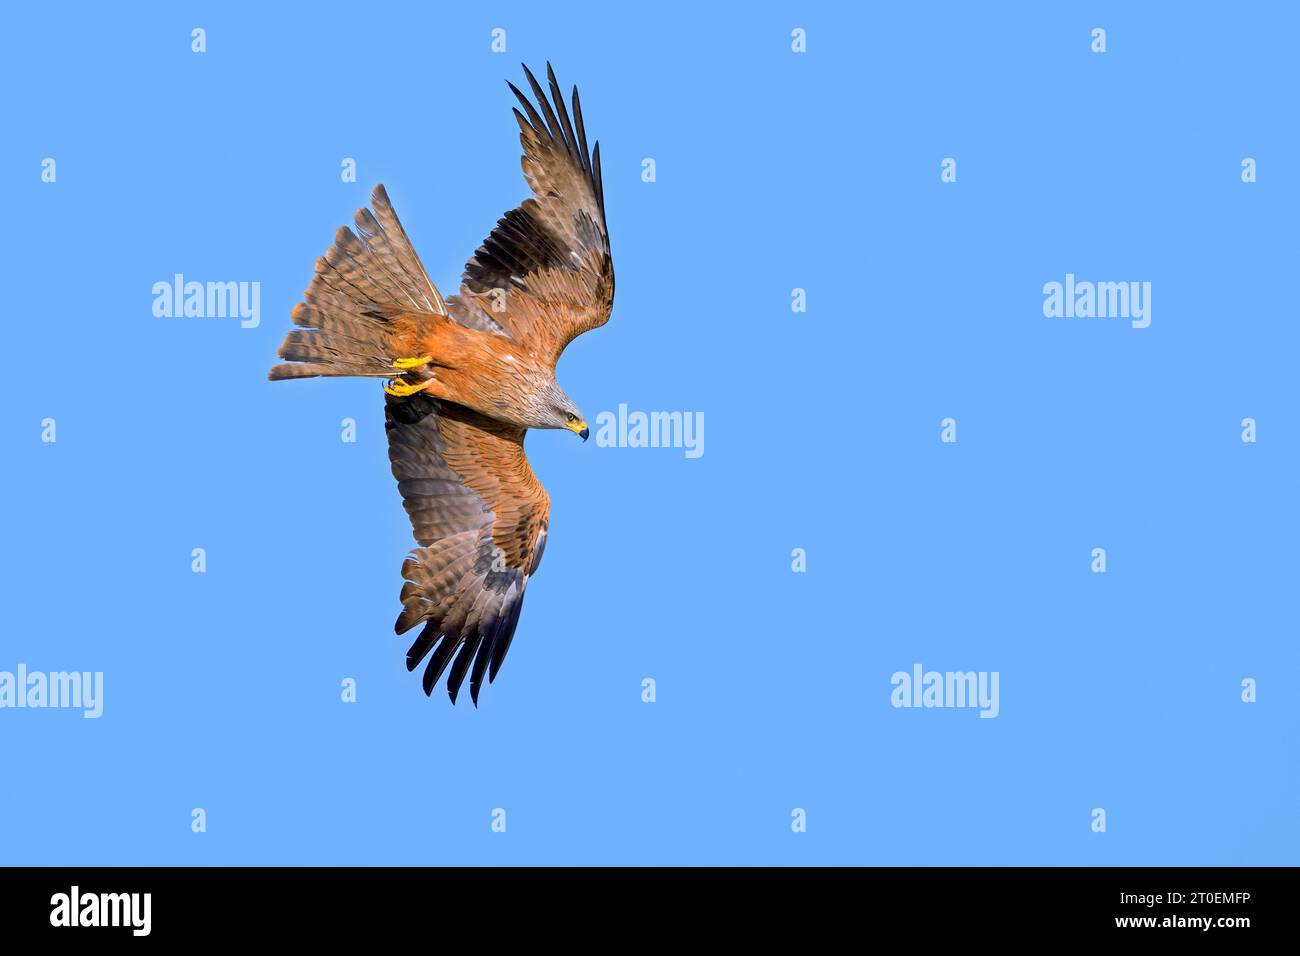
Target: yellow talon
402 389
410 363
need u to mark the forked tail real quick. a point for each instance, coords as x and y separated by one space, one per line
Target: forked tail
365 285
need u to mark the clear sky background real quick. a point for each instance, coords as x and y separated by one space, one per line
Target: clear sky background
774 171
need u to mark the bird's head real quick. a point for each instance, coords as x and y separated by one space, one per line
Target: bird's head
562 413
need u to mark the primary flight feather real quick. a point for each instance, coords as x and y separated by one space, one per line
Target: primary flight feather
470 374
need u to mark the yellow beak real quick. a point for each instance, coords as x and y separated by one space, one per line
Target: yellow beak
579 428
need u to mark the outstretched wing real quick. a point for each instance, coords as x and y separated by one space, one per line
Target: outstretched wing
480 516
545 275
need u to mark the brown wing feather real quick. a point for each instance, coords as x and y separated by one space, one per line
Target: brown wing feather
545 274
480 517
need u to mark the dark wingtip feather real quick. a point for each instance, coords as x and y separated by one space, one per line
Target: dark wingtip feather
583 155
507 634
570 141
485 649
535 119
458 669
429 678
570 133
596 178
552 124
438 663
421 645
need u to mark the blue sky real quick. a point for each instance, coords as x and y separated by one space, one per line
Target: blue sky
774 171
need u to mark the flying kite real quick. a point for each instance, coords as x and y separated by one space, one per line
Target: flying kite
469 375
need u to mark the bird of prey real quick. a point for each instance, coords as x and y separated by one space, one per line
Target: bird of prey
468 376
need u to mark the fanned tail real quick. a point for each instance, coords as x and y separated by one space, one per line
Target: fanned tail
365 285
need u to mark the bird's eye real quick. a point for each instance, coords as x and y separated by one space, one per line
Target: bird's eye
572 418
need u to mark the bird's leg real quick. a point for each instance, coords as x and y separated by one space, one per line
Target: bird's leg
399 386
402 388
